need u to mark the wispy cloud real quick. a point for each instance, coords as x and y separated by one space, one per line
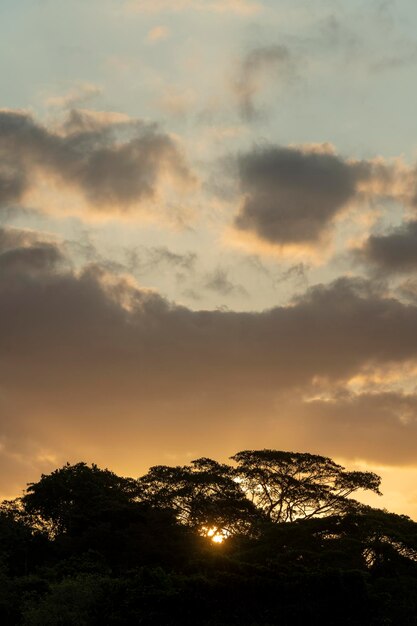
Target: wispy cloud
219 282
238 7
78 95
257 65
158 33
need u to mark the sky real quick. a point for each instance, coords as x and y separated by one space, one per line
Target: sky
208 234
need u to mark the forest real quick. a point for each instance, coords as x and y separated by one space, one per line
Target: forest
271 538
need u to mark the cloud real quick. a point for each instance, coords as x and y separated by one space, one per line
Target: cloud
337 33
219 282
14 238
114 164
292 195
96 367
379 427
257 64
177 102
143 260
79 121
395 62
394 252
32 260
23 251
78 95
13 183
157 33
296 274
237 7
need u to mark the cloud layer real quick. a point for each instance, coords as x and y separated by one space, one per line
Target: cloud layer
91 360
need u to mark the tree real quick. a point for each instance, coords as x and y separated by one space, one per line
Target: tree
75 496
117 554
204 495
86 509
288 485
267 485
23 541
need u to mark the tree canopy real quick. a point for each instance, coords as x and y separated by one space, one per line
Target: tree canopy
263 484
289 486
74 495
84 546
204 495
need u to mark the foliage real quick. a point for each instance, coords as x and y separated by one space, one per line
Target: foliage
289 486
279 486
204 495
87 547
77 494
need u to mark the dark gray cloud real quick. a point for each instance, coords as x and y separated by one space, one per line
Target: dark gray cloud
394 252
15 238
113 172
257 63
12 184
331 331
24 251
33 259
408 290
292 195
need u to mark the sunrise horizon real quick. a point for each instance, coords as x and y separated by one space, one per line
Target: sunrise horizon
208 235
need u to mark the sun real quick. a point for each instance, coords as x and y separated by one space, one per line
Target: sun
214 535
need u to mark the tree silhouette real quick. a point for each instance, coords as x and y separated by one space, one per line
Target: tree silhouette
85 546
266 485
287 485
204 496
75 496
